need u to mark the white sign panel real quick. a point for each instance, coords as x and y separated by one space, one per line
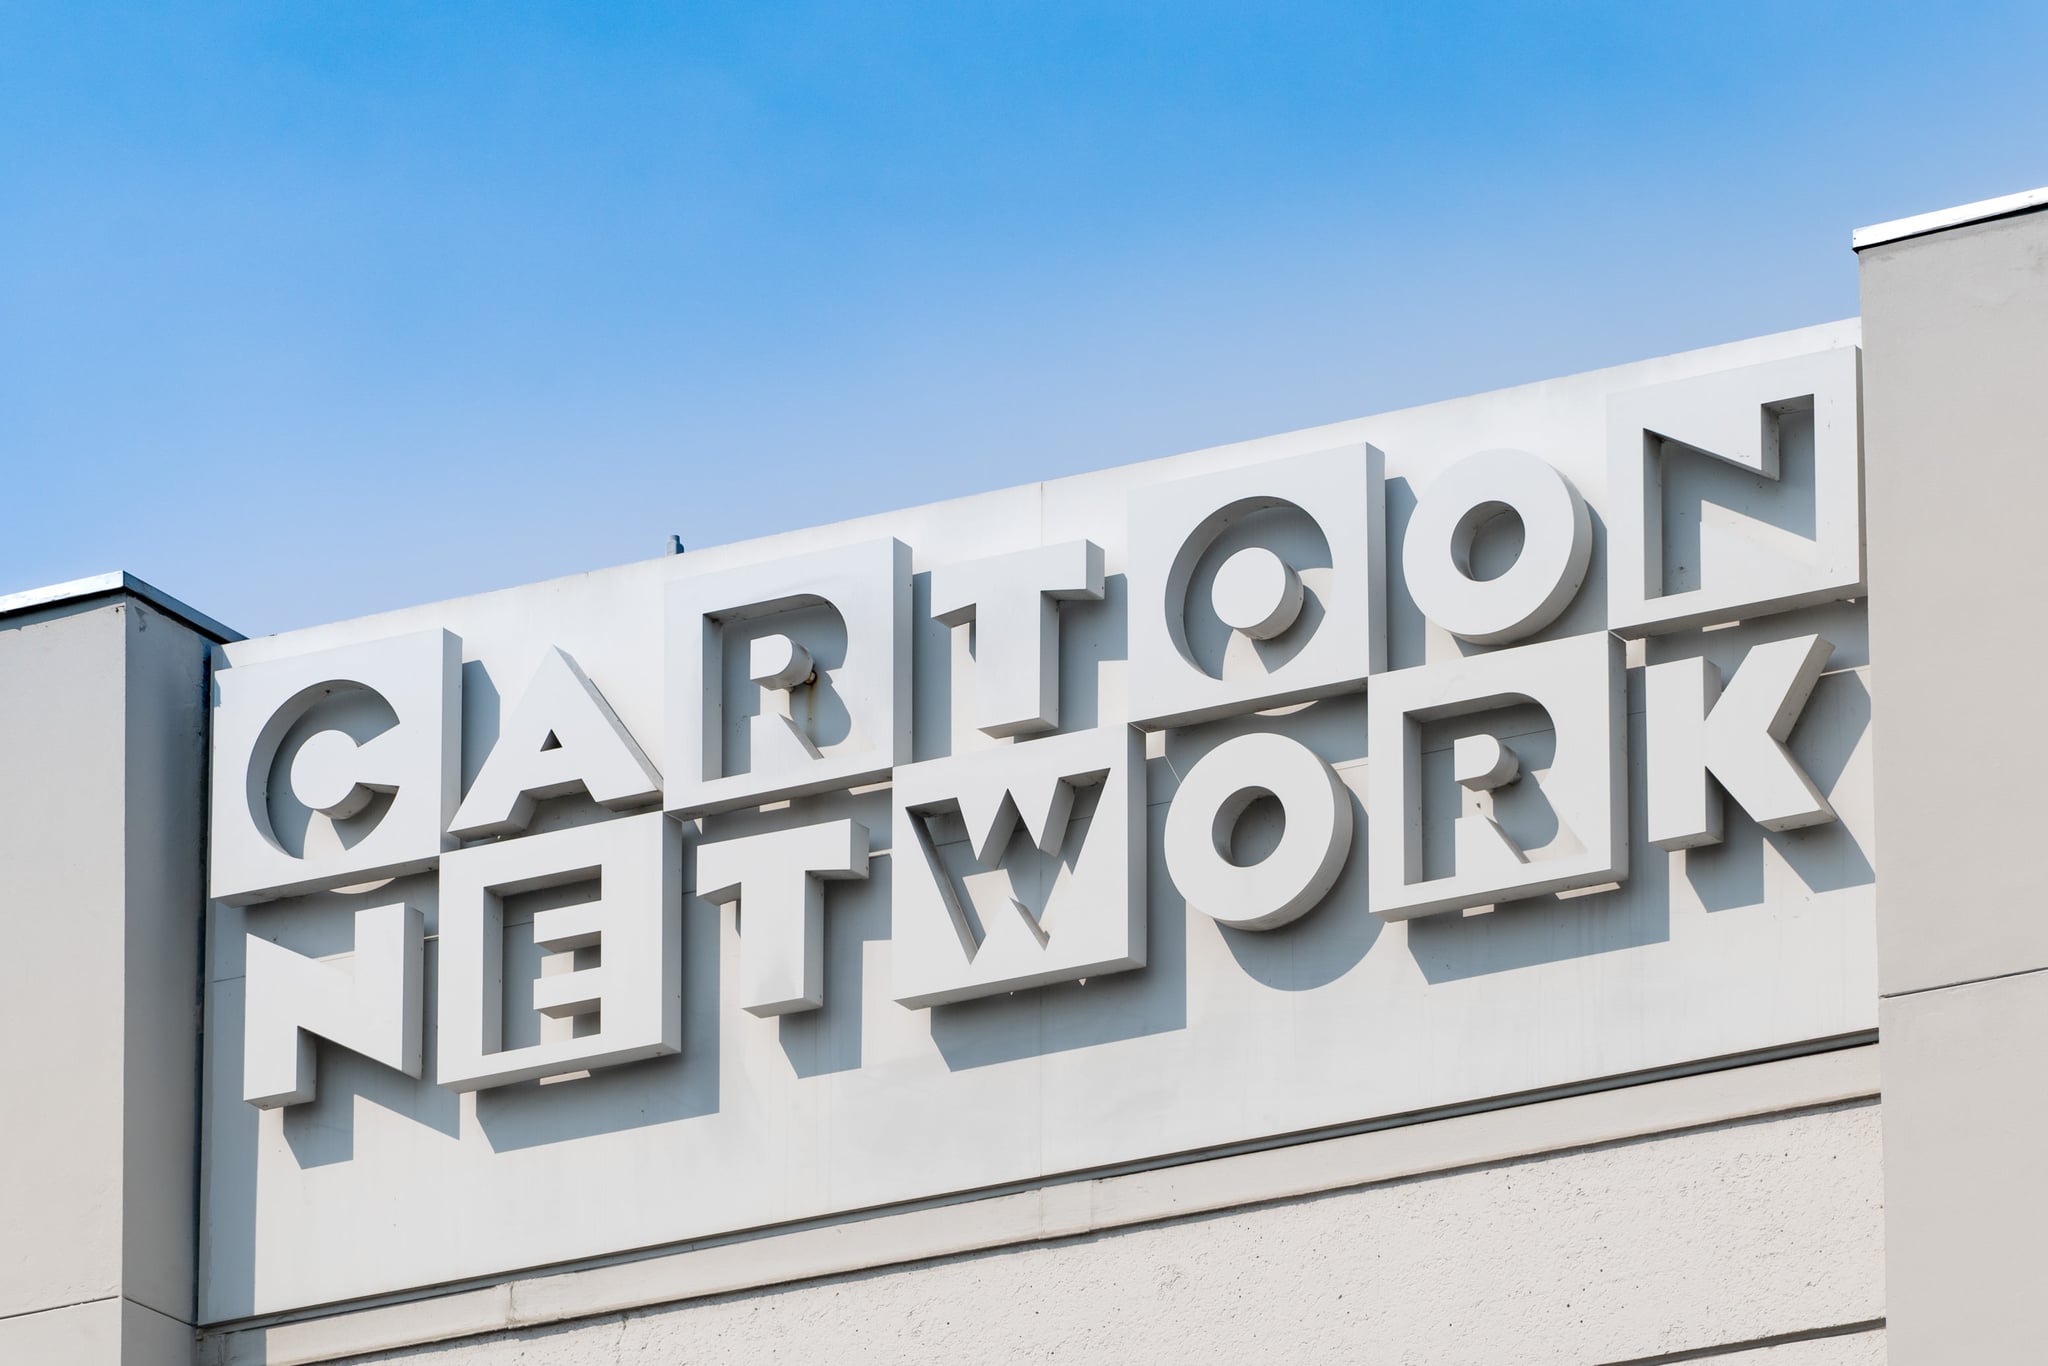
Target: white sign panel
1434 759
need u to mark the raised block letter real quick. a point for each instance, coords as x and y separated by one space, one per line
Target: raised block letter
1013 601
1695 727
1557 545
635 994
1577 681
334 767
1288 882
777 879
1791 538
1019 866
1256 586
560 736
372 1006
787 678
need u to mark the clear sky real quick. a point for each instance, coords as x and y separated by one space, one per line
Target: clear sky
309 310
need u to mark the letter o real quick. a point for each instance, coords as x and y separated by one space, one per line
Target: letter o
1557 543
1257 592
1290 881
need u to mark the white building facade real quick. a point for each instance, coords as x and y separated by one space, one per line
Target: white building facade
1407 891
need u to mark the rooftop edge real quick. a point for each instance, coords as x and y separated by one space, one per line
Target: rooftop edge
1922 223
108 585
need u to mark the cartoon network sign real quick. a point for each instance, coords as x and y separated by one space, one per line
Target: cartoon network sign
1024 748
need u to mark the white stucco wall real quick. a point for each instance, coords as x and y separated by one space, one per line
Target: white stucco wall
1743 1235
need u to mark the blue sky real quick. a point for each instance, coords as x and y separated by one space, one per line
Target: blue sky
309 310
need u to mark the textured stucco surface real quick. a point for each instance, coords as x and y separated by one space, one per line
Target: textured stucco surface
1850 1349
1716 1237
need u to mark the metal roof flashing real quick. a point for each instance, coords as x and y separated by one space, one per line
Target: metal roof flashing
1919 225
110 585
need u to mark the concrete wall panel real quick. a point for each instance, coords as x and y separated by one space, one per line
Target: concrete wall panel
164 806
89 1332
62 686
1732 1235
1956 337
1967 1189
102 709
1955 345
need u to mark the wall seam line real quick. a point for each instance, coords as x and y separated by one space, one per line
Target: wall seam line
1839 1330
1961 982
172 1318
53 1308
